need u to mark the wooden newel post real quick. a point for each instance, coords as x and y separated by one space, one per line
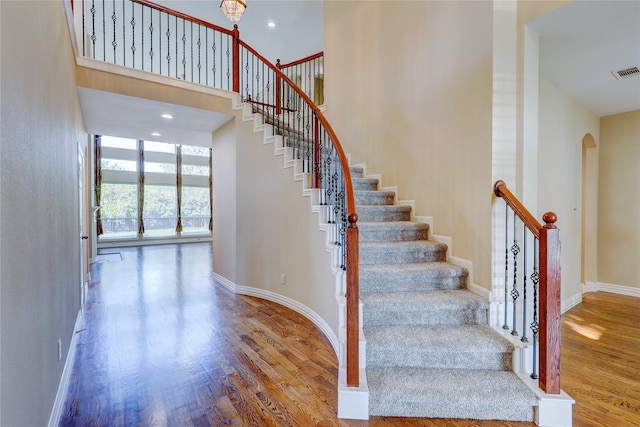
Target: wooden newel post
236 58
278 88
550 299
353 303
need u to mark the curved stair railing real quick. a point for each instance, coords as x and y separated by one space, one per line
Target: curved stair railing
542 282
146 36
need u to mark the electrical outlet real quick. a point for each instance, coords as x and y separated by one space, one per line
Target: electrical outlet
283 279
59 349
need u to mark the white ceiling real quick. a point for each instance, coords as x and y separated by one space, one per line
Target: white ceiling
580 44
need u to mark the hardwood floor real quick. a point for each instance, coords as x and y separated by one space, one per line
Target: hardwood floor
163 345
601 360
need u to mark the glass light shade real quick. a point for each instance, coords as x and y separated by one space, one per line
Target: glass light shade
233 9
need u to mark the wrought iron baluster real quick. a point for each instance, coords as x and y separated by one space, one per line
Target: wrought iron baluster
206 56
535 278
515 249
151 39
184 51
93 28
114 19
168 34
133 35
228 61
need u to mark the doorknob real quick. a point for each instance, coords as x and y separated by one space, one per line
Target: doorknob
85 237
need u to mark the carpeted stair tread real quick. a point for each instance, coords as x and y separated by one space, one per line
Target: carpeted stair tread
408 277
449 393
402 252
392 231
455 307
456 346
380 213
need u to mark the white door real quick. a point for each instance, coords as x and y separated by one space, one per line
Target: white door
82 218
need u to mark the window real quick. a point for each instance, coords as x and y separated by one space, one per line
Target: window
163 201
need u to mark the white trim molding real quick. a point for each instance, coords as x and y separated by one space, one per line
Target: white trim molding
294 305
618 289
63 386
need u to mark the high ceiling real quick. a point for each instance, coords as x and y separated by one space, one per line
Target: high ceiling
580 44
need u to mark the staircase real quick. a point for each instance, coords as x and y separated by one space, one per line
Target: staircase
429 350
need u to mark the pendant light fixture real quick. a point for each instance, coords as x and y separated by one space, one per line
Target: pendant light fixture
233 9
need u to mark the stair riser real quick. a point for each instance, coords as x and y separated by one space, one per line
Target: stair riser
356 172
400 256
365 184
422 358
373 198
381 214
414 282
379 235
402 316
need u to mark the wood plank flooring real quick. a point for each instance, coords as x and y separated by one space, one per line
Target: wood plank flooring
162 345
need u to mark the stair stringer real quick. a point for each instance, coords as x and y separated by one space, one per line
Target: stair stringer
353 402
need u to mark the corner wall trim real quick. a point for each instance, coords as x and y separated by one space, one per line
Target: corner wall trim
294 305
63 386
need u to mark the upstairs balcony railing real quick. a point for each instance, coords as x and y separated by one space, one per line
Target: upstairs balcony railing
146 36
532 287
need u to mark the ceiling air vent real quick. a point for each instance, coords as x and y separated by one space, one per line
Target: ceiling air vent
626 73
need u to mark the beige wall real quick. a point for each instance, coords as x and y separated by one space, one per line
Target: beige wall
408 89
272 227
563 124
225 171
39 244
619 200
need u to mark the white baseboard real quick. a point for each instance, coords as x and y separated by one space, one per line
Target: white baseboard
63 386
571 302
294 305
618 289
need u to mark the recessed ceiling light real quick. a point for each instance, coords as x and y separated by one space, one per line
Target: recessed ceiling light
167 116
156 134
271 24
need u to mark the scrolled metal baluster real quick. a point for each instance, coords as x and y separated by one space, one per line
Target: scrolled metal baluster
535 279
151 40
168 57
114 18
184 50
93 28
104 34
133 35
515 249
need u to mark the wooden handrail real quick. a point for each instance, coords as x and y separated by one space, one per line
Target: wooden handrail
184 16
500 189
300 61
550 298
